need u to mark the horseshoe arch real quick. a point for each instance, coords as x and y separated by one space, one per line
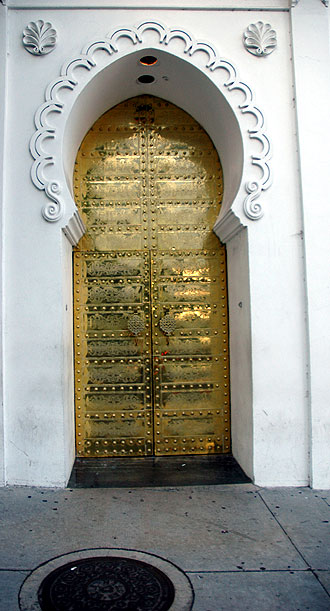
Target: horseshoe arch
190 74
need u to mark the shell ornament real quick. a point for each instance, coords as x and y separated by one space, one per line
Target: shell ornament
39 37
260 39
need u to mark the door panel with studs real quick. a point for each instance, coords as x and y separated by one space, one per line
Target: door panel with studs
151 329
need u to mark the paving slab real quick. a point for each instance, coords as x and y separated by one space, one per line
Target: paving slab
305 517
10 583
324 577
261 591
198 528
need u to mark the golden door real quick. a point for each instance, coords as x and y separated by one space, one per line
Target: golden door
150 299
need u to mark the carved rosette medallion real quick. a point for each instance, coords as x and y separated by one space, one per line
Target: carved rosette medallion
260 39
39 37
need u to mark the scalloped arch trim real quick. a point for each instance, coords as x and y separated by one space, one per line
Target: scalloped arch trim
53 210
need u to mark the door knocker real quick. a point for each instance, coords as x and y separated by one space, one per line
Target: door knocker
135 325
167 325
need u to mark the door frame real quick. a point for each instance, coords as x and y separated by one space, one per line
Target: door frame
100 86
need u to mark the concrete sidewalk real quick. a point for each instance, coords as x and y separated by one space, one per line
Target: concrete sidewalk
242 547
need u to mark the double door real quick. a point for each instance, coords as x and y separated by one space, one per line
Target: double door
150 307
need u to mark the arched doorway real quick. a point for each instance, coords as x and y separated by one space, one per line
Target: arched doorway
150 298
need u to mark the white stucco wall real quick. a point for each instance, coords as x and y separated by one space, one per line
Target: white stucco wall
271 417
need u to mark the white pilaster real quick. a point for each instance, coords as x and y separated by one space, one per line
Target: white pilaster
310 38
3 43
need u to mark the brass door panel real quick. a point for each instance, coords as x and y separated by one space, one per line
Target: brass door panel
112 353
151 328
191 361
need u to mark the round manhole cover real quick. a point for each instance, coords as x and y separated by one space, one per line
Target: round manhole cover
107 579
106 584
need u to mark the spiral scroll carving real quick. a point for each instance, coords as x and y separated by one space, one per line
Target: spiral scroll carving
252 208
53 211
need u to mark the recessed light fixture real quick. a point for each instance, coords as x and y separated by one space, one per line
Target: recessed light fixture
148 60
146 78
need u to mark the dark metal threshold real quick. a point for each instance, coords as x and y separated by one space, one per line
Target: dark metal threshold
156 471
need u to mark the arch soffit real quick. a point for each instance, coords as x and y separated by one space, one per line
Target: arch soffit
60 204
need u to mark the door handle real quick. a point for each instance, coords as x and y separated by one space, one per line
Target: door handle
135 324
167 324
